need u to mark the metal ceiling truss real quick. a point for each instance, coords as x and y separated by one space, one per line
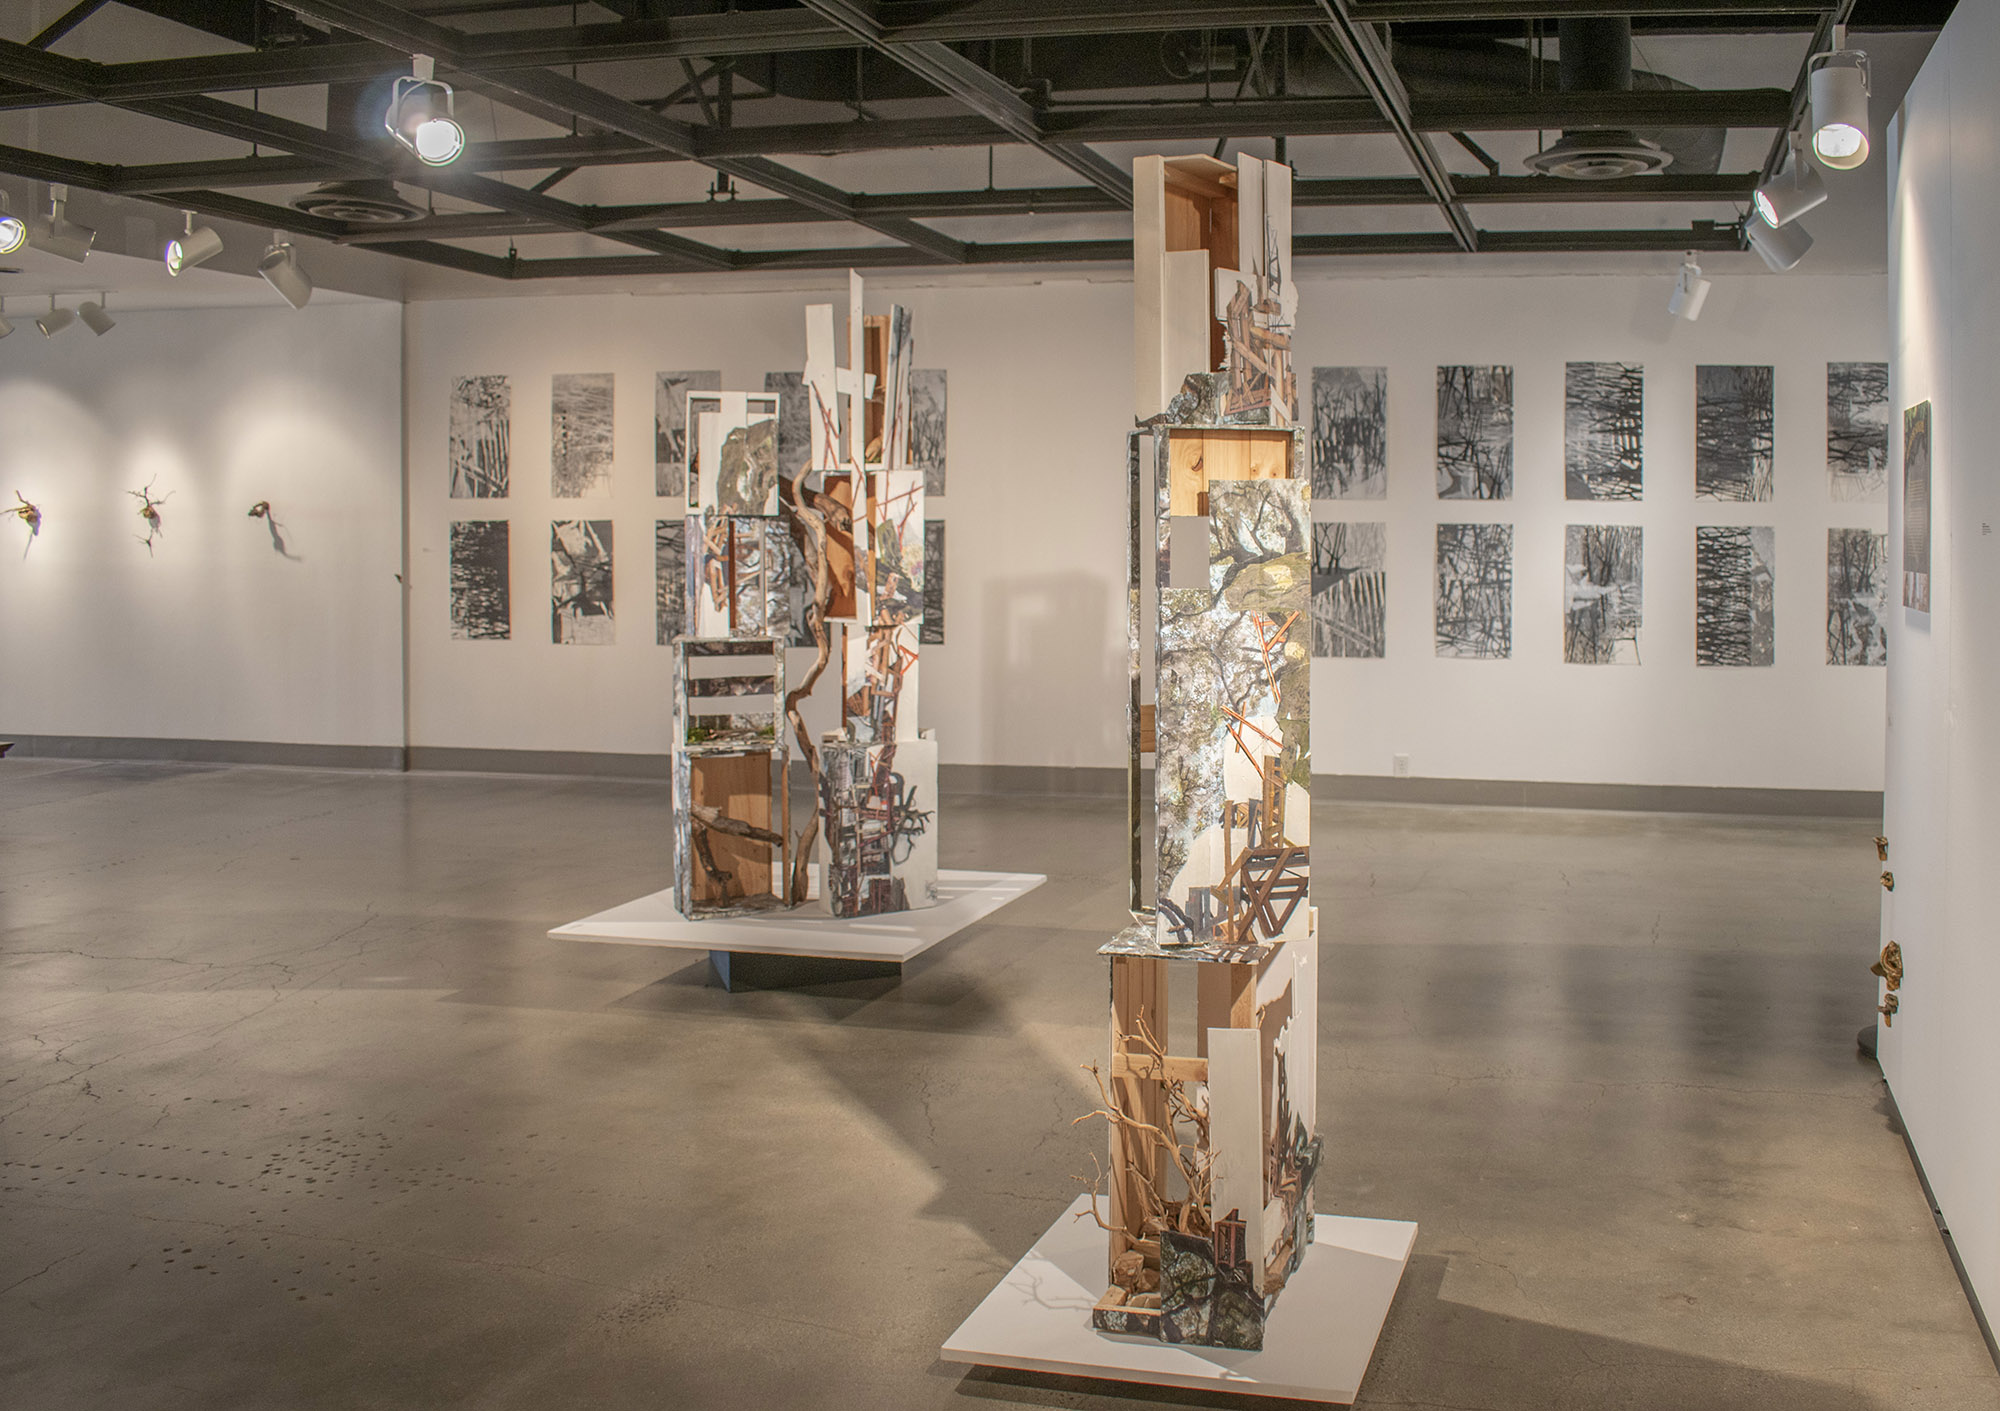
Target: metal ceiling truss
372 38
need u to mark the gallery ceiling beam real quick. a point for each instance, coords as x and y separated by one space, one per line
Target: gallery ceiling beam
1074 200
958 77
389 24
244 124
1361 49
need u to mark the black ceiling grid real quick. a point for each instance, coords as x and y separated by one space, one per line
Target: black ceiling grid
1055 76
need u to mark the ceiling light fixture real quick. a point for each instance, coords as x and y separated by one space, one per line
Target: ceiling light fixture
1796 189
1690 291
421 115
91 311
280 268
1838 89
13 230
62 236
1780 246
198 246
55 320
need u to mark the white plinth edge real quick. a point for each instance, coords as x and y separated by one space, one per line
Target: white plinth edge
1316 1347
963 898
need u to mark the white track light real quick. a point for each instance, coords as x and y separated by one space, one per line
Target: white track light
13 230
62 236
1690 291
1793 191
421 115
1780 246
280 268
198 246
91 311
55 320
1839 92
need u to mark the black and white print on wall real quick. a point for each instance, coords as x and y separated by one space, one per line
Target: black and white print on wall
1735 595
932 633
580 582
927 426
1603 593
1917 507
1734 444
1350 433
797 587
794 426
580 435
1475 590
1350 563
1857 597
480 609
1475 433
481 417
1857 431
1604 426
669 579
670 407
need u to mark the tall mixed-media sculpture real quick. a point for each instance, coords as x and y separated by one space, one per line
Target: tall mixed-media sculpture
846 534
1208 1196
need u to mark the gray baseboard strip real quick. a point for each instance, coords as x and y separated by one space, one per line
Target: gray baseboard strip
590 764
1025 780
205 751
1630 798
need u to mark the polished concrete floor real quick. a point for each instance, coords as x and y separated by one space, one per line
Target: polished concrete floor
300 1109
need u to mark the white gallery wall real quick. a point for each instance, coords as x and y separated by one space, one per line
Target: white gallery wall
1942 796
213 634
1033 667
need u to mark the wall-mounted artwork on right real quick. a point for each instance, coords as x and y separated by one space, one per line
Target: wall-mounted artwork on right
1475 433
1857 597
927 426
1350 433
1475 590
580 434
1735 595
1604 426
580 583
1734 433
481 411
932 634
669 580
1603 593
1917 507
1857 431
1349 590
479 581
670 391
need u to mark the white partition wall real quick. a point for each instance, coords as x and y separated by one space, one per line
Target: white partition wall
1942 798
218 633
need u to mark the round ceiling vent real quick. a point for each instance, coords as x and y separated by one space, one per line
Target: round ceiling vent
1600 155
358 203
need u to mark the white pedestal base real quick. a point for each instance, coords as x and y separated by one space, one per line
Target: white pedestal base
963 898
1316 1346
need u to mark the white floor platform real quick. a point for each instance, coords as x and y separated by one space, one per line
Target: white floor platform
963 898
1316 1347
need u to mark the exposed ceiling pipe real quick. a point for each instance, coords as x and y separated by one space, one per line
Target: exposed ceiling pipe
1596 57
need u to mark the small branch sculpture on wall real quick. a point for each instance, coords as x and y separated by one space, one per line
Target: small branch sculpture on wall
262 510
29 514
149 510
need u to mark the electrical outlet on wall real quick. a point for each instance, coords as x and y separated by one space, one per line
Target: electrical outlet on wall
1399 765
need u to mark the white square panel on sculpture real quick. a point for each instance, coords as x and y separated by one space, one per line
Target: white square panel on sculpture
1317 1345
655 920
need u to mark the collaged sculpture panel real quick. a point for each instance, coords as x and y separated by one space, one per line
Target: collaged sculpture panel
831 556
1207 1200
